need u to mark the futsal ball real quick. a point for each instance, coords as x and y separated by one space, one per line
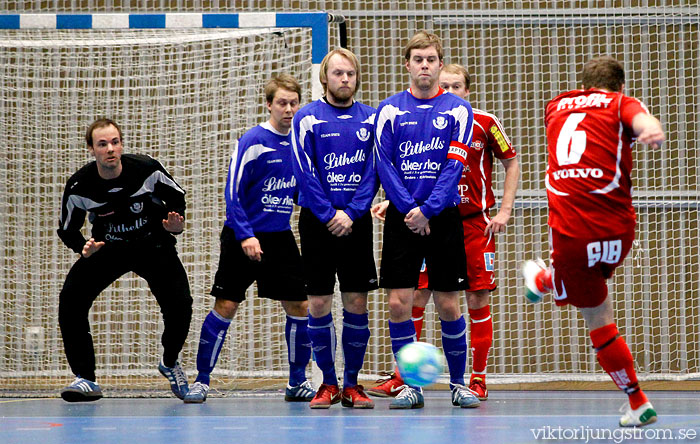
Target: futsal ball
420 363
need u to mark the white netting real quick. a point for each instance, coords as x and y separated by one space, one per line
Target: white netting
520 54
181 96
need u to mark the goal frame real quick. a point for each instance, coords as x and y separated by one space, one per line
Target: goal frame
316 21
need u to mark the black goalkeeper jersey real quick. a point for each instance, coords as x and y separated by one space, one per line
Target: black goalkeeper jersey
128 208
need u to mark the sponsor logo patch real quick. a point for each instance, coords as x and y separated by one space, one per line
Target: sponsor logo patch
440 122
362 134
499 138
489 259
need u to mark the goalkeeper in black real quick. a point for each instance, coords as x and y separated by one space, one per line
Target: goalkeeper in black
135 208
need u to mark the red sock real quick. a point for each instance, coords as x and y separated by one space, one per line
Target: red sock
615 358
417 316
481 338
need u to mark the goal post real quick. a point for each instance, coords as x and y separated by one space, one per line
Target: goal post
317 22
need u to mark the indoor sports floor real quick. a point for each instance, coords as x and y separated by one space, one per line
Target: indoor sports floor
509 417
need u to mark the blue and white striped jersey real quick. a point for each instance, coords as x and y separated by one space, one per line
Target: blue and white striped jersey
333 160
421 149
260 186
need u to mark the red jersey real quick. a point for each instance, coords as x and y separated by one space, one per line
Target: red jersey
589 138
488 140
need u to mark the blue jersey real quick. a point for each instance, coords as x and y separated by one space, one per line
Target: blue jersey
260 186
421 150
333 161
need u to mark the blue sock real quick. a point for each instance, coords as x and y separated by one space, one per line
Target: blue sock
323 340
211 339
298 348
355 337
454 342
401 333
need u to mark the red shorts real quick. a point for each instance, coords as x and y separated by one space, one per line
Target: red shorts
580 267
481 254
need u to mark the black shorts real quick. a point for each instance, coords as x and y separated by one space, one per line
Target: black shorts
279 274
442 249
324 255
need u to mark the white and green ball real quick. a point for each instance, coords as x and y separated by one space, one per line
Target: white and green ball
420 363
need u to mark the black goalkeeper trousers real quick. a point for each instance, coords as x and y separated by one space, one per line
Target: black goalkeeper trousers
160 266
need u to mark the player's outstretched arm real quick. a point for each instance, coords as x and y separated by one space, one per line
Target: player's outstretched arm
648 130
251 248
91 247
174 223
510 186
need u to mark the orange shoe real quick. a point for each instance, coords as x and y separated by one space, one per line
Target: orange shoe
356 398
389 386
326 396
478 387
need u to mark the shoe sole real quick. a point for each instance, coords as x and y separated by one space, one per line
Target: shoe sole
356 406
195 401
296 399
321 406
648 421
379 394
324 406
78 396
401 407
471 406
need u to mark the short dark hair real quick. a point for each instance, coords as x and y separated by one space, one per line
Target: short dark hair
100 123
603 72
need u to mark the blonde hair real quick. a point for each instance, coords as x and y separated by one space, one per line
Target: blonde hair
323 75
422 40
284 81
453 68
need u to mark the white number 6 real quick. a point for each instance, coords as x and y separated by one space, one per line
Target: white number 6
569 135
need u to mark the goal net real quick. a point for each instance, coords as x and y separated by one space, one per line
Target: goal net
182 96
520 54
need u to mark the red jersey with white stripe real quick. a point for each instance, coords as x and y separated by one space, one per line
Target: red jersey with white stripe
589 139
488 140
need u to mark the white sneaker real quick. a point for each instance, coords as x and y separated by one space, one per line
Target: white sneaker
536 275
463 397
197 393
643 415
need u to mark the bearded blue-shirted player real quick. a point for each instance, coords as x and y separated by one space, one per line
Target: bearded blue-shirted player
422 135
257 243
333 141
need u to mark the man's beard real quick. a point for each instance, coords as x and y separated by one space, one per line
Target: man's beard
341 96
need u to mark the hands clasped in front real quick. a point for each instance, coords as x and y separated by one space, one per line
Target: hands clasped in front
340 225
